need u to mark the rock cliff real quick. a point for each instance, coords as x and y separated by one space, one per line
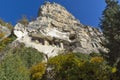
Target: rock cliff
56 30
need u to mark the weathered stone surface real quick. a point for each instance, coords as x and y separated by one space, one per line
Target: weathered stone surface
20 30
56 29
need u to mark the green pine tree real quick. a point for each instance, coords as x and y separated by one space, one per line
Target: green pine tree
110 24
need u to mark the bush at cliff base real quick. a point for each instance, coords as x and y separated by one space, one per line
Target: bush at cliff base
70 67
17 62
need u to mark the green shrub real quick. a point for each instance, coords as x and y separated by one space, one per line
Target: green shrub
17 61
12 68
30 56
83 56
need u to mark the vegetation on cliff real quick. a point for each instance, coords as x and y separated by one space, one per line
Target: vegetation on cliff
10 38
8 25
110 24
17 62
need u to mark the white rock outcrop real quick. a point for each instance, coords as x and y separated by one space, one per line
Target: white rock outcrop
22 36
55 29
20 31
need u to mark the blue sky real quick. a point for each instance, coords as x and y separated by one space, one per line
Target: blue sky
87 11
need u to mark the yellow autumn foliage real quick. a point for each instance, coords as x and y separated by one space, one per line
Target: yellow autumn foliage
96 60
37 71
1 35
114 70
4 42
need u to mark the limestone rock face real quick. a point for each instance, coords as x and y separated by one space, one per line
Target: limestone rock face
5 32
55 29
20 30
